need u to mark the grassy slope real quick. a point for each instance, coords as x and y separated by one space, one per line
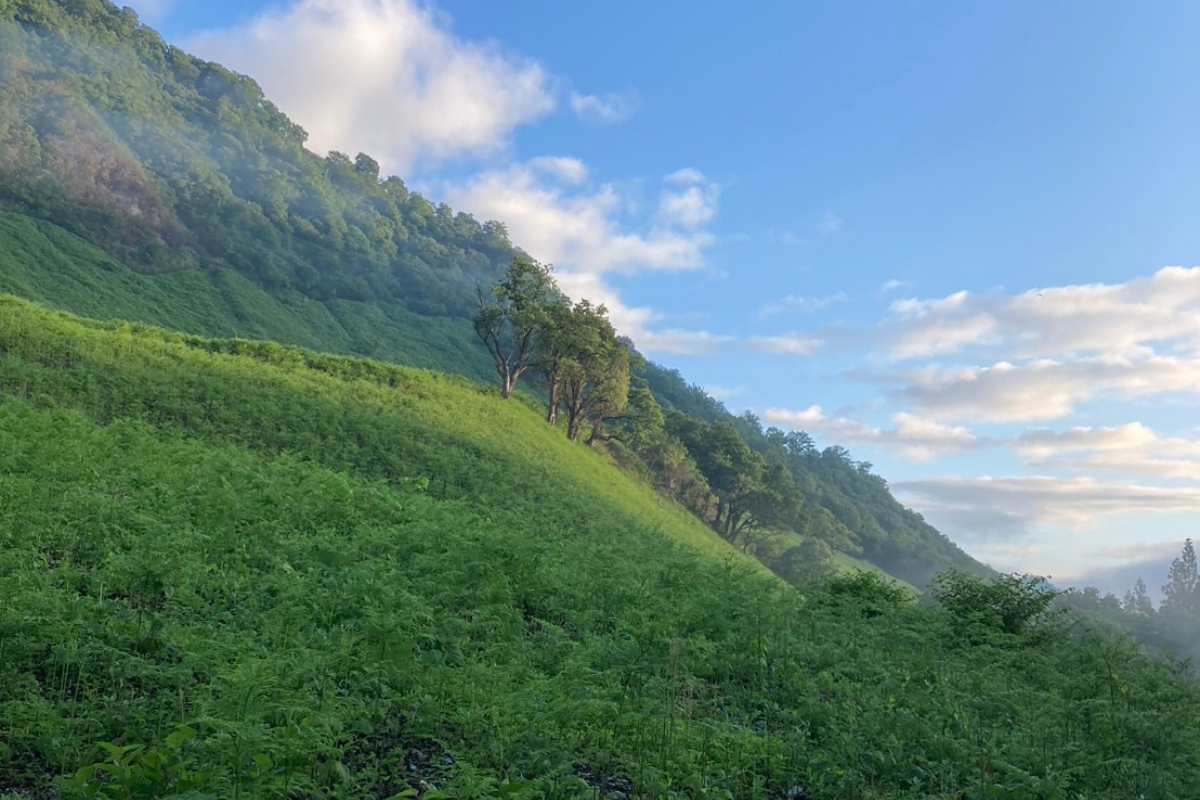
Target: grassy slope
209 549
366 417
48 265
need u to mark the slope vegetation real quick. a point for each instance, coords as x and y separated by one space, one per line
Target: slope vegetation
234 569
142 183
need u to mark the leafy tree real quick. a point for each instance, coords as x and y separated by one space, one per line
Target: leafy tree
1182 593
594 374
811 559
1010 603
513 315
1137 600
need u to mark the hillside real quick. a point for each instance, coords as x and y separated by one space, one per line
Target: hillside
234 569
147 185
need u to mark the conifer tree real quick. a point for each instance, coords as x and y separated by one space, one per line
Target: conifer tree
1182 593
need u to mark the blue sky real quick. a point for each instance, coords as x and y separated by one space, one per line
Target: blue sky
958 238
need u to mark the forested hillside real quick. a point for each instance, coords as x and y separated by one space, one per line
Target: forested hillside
235 569
144 184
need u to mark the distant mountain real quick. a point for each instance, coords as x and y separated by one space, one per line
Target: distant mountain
139 182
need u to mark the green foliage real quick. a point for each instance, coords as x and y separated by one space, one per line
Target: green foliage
513 315
172 164
1013 604
811 559
1182 592
234 569
151 185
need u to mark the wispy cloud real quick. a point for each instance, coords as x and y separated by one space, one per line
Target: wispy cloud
893 285
385 77
982 507
793 344
1043 389
690 201
610 108
1132 449
800 303
1124 319
910 437
569 171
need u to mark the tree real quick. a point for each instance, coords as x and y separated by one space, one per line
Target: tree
1010 603
553 348
594 370
1137 600
513 314
1182 594
753 499
811 559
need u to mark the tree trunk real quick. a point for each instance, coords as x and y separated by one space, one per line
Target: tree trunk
552 413
573 421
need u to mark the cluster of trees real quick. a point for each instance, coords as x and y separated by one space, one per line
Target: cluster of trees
171 163
751 499
527 323
1172 628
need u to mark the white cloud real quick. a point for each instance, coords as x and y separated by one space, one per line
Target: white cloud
1043 389
608 109
1012 506
691 206
579 229
794 302
679 342
893 285
1132 449
385 77
685 176
570 171
1126 319
911 437
793 344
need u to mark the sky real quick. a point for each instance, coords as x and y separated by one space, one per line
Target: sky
959 239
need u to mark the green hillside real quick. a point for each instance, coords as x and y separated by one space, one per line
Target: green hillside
140 183
234 569
41 262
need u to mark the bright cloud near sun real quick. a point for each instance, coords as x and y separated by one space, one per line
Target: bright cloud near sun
386 77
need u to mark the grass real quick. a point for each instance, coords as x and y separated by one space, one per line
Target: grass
45 264
234 569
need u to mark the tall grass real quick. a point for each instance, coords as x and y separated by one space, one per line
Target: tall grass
232 569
